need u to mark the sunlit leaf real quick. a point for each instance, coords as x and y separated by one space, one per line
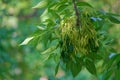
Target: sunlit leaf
41 4
41 28
26 41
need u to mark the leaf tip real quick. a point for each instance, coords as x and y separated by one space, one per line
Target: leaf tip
26 41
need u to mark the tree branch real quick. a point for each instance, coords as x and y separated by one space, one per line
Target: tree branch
77 13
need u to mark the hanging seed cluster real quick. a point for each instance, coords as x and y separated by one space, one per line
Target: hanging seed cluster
78 39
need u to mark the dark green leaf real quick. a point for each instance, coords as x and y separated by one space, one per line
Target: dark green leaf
84 4
97 56
57 67
76 68
111 61
114 19
94 56
112 14
56 57
118 58
117 74
90 66
61 8
68 65
54 14
52 3
108 74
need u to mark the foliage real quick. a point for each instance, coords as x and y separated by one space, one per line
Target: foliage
19 19
79 40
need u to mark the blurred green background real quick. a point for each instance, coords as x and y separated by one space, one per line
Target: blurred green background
17 21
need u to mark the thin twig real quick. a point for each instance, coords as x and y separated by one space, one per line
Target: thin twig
77 13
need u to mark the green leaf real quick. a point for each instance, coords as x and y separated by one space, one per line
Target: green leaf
117 73
56 57
41 28
94 56
26 41
45 57
111 61
112 14
90 66
49 50
114 19
84 4
37 32
44 15
76 67
35 41
57 67
68 65
107 74
54 14
61 8
35 37
118 58
41 4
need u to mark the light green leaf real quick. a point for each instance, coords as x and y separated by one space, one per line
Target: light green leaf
45 57
49 50
26 41
44 15
41 4
41 28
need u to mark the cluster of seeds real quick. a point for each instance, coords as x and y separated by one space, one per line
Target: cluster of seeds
78 39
